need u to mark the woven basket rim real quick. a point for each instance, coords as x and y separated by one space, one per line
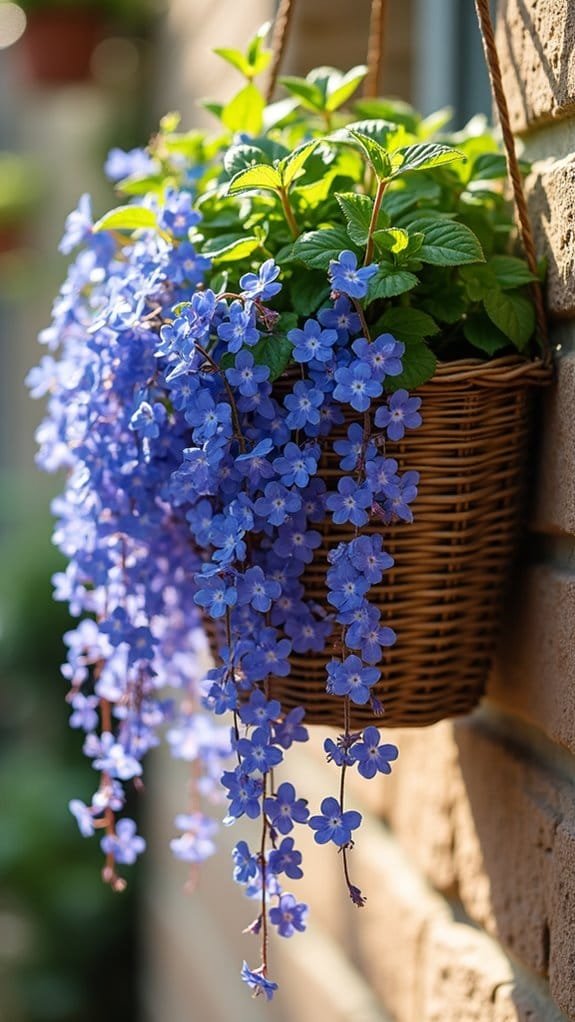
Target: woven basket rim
495 372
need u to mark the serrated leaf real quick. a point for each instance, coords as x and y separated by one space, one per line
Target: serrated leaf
423 157
447 242
493 166
513 314
407 325
374 152
484 335
245 111
392 239
290 166
338 92
232 247
254 178
308 93
241 157
316 248
419 365
510 272
127 218
390 283
357 210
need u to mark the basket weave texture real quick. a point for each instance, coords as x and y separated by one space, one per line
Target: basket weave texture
444 594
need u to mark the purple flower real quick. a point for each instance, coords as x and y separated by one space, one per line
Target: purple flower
356 386
255 589
113 758
125 845
401 413
83 815
283 809
333 825
351 678
288 916
148 418
369 558
215 595
370 756
195 844
84 715
260 285
246 375
286 859
350 502
303 405
257 982
312 342
347 278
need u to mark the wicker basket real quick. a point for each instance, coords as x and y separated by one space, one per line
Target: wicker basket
444 594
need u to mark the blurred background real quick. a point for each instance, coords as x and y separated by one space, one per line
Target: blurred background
78 77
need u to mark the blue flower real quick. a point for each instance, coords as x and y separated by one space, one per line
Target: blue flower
283 809
257 982
195 844
215 595
288 916
246 375
294 541
296 465
370 756
351 678
178 215
383 355
333 825
351 448
401 413
382 476
369 558
277 503
257 753
259 710
347 278
286 859
303 405
398 505
346 587
291 729
245 864
260 285
312 342
350 502
341 317
356 386
208 417
241 328
255 589
244 793
124 844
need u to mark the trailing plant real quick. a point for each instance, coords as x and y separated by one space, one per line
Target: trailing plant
303 268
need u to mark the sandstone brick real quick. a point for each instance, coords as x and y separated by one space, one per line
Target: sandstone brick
554 509
535 668
514 879
550 200
562 910
536 43
525 1000
462 971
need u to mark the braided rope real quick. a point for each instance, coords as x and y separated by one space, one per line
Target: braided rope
492 58
279 40
377 23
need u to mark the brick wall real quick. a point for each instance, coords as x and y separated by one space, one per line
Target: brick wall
468 853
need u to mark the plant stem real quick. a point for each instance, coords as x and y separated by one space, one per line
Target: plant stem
381 185
288 212
230 393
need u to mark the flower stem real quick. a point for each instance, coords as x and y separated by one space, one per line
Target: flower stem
381 185
288 212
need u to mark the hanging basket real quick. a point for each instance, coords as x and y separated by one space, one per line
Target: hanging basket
445 592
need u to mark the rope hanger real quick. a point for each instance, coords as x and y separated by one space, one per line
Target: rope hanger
374 60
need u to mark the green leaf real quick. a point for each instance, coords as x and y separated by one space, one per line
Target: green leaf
231 247
482 334
290 166
340 88
419 364
309 289
394 110
244 112
447 242
137 185
357 210
478 281
274 350
510 272
241 157
127 218
387 283
260 176
236 58
308 93
374 152
407 325
392 239
493 166
423 157
513 314
316 248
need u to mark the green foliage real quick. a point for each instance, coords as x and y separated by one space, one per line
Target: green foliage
301 185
